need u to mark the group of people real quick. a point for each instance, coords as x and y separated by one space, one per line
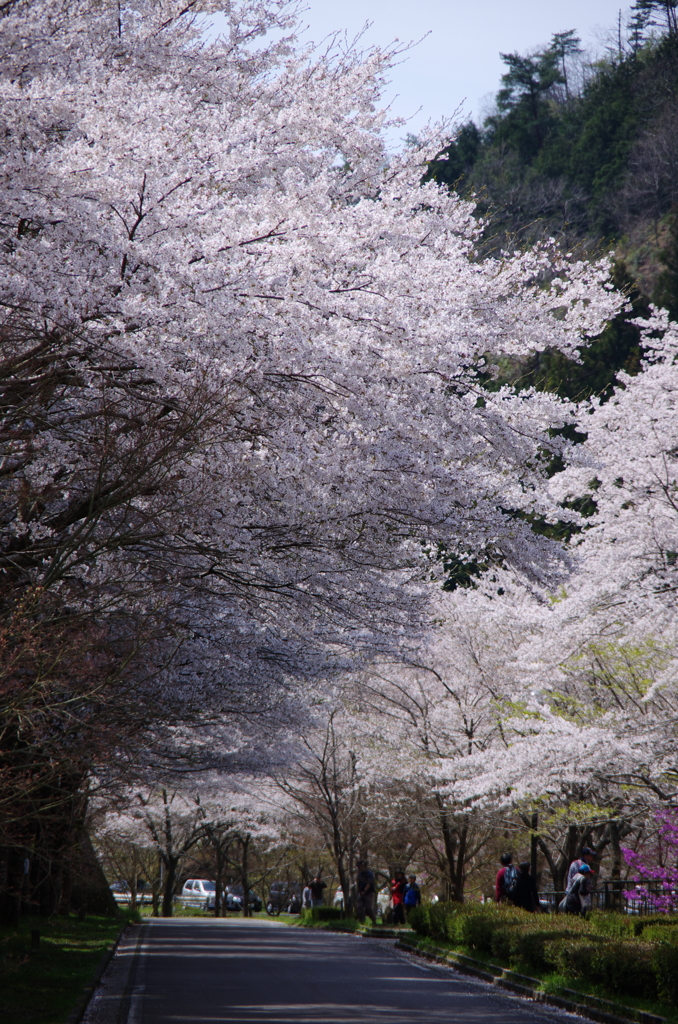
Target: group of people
517 885
513 884
405 894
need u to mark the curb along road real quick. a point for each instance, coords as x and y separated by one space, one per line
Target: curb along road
131 1005
586 1006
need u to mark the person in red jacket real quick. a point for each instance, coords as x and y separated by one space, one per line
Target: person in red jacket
397 894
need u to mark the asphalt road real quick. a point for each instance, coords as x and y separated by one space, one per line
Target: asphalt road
246 971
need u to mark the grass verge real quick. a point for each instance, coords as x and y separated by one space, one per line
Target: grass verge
348 924
42 986
179 911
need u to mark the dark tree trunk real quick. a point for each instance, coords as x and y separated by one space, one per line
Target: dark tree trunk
4 881
337 850
457 876
171 865
219 880
244 874
89 888
345 883
615 871
615 842
534 845
15 877
450 844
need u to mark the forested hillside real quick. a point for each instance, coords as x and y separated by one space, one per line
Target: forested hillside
585 152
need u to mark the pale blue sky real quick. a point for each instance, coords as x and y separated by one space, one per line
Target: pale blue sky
459 61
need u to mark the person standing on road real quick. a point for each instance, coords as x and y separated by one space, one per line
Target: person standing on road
366 893
316 887
412 894
398 886
306 897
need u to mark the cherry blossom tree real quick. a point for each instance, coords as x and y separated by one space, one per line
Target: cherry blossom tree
274 275
174 824
328 788
246 816
210 820
618 626
590 736
243 354
431 715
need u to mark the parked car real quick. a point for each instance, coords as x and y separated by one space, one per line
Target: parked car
233 898
383 899
122 894
198 892
283 897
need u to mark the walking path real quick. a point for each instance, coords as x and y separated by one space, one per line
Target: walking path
241 972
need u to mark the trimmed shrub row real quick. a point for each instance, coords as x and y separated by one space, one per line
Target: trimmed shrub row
625 956
322 914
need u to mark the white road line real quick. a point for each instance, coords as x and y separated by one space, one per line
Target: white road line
136 1003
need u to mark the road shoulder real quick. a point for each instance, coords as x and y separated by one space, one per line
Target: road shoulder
111 998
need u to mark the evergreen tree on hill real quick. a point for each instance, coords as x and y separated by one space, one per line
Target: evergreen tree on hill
572 162
565 45
525 116
666 293
663 13
456 161
587 166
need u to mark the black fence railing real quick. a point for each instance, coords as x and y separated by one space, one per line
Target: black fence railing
626 897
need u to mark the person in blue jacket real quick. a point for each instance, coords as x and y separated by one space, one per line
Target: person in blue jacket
412 894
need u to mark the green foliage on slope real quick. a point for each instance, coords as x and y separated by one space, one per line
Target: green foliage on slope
587 154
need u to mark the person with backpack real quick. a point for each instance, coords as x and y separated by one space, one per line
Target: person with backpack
506 880
578 897
412 894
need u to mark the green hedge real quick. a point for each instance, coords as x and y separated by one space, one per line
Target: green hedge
323 914
620 967
666 972
627 956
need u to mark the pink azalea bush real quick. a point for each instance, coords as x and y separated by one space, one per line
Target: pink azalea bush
660 864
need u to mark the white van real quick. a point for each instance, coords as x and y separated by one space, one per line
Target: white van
199 892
